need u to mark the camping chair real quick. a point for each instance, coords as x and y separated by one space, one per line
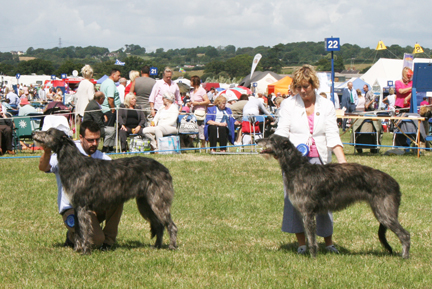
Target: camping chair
405 133
36 120
251 134
23 130
365 133
183 135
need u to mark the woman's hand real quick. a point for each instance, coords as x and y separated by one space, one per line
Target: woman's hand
123 128
222 124
136 130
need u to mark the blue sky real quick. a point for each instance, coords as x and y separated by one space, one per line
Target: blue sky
178 24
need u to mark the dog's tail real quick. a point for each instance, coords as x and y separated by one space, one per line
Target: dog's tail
382 237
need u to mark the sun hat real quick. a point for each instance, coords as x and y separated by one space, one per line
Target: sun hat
24 101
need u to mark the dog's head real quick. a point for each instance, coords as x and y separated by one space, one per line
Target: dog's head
426 112
277 145
52 138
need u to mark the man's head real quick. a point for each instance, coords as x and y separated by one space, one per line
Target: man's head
99 96
212 90
244 97
167 75
123 81
350 85
365 88
145 71
115 75
89 136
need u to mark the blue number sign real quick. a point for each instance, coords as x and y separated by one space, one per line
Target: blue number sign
153 71
53 77
18 76
332 44
63 76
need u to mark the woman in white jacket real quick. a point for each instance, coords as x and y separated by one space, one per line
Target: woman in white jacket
164 122
310 119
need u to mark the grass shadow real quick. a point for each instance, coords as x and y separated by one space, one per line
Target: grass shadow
292 247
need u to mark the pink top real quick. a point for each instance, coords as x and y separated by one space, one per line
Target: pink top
198 97
399 96
158 91
424 102
313 151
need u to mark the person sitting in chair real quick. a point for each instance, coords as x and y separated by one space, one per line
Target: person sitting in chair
6 127
219 124
131 119
164 122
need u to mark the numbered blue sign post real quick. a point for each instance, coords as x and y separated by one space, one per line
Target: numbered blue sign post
53 77
63 76
332 44
153 71
18 76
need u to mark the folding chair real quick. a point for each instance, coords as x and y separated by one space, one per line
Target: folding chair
365 133
23 130
195 134
405 134
251 133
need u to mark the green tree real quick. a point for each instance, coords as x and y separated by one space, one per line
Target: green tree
68 66
38 66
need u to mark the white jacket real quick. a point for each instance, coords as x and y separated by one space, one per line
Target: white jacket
293 123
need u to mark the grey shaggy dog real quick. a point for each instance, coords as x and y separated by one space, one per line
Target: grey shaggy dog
316 189
98 185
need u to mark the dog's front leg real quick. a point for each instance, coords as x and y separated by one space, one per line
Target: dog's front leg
309 224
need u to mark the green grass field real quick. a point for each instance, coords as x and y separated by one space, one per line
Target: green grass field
228 210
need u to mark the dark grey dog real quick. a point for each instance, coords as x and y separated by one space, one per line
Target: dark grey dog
316 189
98 185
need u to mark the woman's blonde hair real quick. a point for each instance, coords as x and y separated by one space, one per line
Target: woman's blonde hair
391 90
128 98
133 74
305 73
58 97
359 92
87 71
219 100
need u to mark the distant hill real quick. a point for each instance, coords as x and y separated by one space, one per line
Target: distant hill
216 61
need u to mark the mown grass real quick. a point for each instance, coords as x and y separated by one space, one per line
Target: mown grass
228 210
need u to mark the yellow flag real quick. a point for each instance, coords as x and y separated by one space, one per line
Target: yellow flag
418 48
381 46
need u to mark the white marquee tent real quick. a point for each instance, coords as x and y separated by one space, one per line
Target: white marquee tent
384 69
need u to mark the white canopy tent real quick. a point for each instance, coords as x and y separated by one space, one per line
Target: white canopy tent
384 68
380 73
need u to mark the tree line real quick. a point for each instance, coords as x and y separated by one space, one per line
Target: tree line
226 61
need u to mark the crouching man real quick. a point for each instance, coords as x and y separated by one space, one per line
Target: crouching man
102 238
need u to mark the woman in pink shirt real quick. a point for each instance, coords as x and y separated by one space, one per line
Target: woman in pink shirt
198 102
403 89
